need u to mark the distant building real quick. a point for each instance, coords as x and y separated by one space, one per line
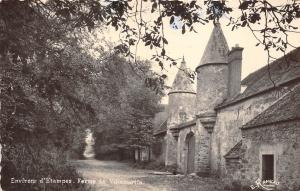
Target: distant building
240 130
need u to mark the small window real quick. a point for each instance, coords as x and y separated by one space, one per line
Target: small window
267 167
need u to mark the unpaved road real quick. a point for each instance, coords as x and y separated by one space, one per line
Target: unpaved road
117 176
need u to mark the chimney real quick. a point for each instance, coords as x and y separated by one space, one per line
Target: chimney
235 70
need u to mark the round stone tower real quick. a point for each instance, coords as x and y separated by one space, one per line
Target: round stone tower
212 89
181 108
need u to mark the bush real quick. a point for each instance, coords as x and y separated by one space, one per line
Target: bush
35 163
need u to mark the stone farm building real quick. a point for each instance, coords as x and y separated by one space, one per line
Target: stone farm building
238 130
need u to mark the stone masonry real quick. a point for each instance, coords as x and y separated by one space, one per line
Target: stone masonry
234 129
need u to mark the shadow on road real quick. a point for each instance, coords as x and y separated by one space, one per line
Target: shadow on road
118 176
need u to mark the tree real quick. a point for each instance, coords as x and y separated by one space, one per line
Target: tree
42 70
270 23
125 107
144 104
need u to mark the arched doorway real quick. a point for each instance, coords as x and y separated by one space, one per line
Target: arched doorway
190 159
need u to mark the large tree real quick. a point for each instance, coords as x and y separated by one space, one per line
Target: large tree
270 22
43 117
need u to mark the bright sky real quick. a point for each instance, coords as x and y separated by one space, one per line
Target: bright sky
192 45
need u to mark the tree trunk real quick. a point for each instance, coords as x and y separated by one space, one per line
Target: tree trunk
149 153
139 155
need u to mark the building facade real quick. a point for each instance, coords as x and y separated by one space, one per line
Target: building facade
227 127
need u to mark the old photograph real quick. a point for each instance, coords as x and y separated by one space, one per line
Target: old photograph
150 95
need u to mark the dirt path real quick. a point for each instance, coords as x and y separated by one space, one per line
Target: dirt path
116 176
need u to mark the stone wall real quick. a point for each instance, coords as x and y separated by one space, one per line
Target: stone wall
212 90
212 82
233 167
182 148
227 131
179 103
203 150
282 140
171 150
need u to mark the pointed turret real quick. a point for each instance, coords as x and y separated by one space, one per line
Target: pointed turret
217 49
212 88
182 82
181 109
212 73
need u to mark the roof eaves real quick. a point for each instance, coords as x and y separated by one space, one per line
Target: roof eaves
234 152
160 132
258 122
161 128
226 104
186 124
245 127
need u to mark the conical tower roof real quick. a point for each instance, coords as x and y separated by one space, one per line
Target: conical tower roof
182 82
217 49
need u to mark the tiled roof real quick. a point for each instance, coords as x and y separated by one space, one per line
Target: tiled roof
159 120
217 49
285 109
182 82
282 71
161 128
235 152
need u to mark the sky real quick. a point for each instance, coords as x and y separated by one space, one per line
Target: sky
191 45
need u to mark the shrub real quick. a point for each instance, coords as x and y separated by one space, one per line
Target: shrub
36 162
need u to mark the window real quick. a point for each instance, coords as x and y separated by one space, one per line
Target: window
267 167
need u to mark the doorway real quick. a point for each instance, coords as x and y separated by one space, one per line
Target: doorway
190 144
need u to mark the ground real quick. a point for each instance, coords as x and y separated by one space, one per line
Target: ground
117 176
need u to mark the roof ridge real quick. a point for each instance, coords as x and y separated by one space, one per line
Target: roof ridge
248 124
271 64
284 72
